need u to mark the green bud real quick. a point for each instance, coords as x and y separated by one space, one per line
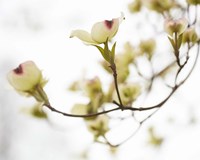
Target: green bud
190 35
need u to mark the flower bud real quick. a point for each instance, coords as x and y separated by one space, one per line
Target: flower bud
193 2
190 35
100 32
135 6
148 47
98 126
123 60
175 26
93 88
25 77
159 6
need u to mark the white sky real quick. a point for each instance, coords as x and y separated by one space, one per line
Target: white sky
39 30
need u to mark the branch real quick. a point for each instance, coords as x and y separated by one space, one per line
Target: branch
80 115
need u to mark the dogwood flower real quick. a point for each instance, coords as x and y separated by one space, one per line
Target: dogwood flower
25 77
175 26
100 32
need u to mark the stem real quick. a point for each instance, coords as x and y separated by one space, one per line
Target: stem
176 50
42 94
183 65
113 67
152 107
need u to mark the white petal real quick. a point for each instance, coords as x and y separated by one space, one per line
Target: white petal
83 36
27 79
100 31
121 18
106 29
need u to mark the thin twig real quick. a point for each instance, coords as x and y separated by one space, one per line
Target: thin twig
113 67
81 115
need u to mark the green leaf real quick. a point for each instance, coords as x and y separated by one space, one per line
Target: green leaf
113 53
172 42
179 41
107 51
105 56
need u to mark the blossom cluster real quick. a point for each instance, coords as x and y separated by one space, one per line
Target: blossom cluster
123 91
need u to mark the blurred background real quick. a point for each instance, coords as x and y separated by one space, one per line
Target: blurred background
39 30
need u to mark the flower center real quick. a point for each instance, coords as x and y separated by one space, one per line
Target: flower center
18 70
108 24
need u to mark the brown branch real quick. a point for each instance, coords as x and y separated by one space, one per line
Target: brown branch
176 86
80 115
152 107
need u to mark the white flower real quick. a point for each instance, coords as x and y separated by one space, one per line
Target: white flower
25 77
100 32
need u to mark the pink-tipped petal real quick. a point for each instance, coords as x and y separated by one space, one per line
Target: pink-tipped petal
25 77
101 31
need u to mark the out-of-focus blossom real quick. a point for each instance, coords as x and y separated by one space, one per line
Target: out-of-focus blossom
190 35
159 5
193 2
98 126
128 93
178 26
79 109
148 47
135 6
